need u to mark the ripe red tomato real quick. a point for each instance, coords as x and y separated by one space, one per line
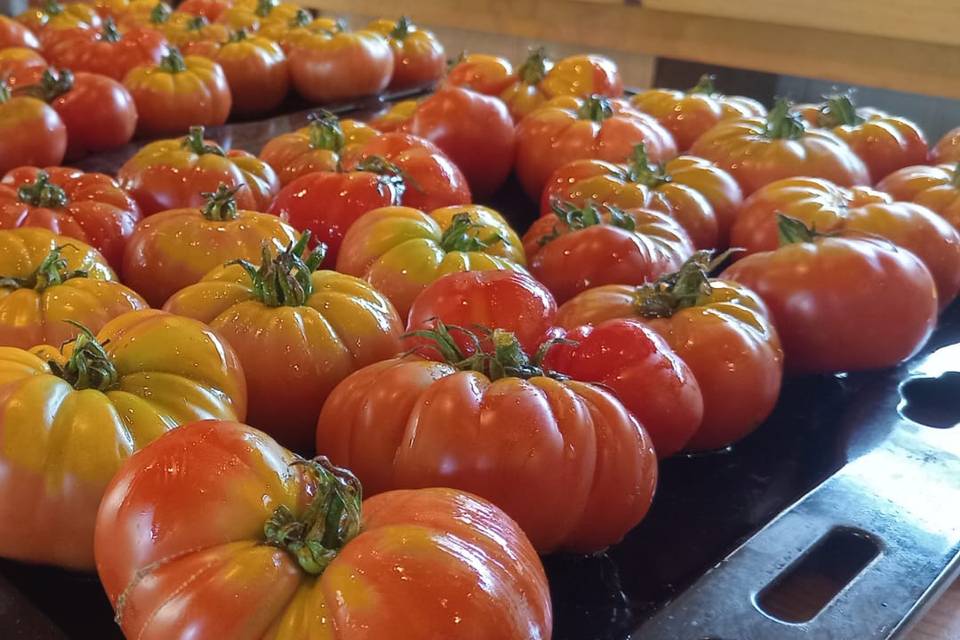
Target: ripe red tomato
486 74
576 248
90 207
947 148
21 67
171 174
937 188
179 93
329 67
30 132
587 468
418 56
14 34
474 130
237 530
757 151
209 9
108 51
98 111
829 208
885 143
830 298
568 128
719 328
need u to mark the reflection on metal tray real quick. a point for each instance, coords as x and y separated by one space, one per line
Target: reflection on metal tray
836 520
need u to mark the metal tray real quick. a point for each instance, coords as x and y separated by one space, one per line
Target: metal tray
845 490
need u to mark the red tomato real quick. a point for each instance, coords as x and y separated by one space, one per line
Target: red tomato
90 207
948 148
568 128
335 66
490 424
30 132
833 298
52 18
219 528
171 174
108 51
645 374
575 249
937 188
757 151
14 34
829 208
20 67
209 9
98 111
474 130
486 74
418 56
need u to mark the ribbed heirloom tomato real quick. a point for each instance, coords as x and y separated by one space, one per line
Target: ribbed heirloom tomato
184 31
757 151
830 298
334 66
20 67
52 17
177 247
87 206
175 173
14 34
400 250
300 27
490 423
30 132
109 51
219 530
256 15
947 148
298 333
719 328
577 248
49 283
481 72
209 9
418 55
69 418
935 187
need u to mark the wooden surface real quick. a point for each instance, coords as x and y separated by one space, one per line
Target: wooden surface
942 622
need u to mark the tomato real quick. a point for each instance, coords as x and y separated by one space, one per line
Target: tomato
209 9
719 328
885 143
830 298
20 67
474 130
418 56
486 74
316 147
98 111
179 93
937 188
757 151
14 34
689 114
69 418
254 16
30 132
567 129
301 26
90 207
947 148
400 250
44 289
503 299
577 248
582 76
336 66
109 51
52 17
298 333
226 531
157 15
587 468
861 210
184 30
703 198
170 174
525 94
642 371
176 248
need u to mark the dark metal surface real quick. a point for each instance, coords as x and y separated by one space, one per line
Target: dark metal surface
838 452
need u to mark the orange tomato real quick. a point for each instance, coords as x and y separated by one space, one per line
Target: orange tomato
184 30
209 9
298 28
335 66
936 187
418 55
254 16
108 51
30 132
15 34
486 74
21 67
50 18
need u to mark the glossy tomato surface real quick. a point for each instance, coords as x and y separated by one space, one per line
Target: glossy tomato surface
109 51
418 54
935 187
31 132
327 67
317 147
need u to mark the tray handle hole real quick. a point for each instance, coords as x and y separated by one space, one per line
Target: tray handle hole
932 402
806 588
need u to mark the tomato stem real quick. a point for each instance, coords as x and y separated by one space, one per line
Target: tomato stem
461 235
641 171
237 36
782 123
43 193
110 33
52 8
265 7
402 29
284 280
576 218
838 110
325 131
89 366
173 62
160 13
791 230
705 85
681 289
52 85
390 175
955 181
197 23
4 91
51 272
534 68
194 142
331 520
596 108
300 19
221 204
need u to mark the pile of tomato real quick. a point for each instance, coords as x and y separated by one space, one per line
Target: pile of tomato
209 359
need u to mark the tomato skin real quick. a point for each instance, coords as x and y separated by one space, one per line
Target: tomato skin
483 73
418 55
563 130
256 71
826 207
727 341
108 53
168 175
330 67
98 211
14 34
295 154
209 9
400 251
947 148
474 130
21 67
171 100
587 468
578 259
30 133
934 187
48 25
642 371
583 75
417 553
255 16
170 370
830 300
